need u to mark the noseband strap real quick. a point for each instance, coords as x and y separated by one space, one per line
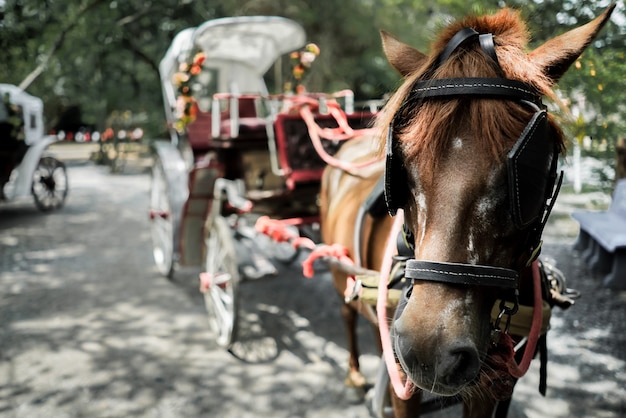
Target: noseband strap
463 274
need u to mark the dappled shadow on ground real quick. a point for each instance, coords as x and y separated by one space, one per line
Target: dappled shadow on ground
587 350
87 327
289 313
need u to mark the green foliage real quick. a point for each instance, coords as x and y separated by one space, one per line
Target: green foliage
101 56
593 86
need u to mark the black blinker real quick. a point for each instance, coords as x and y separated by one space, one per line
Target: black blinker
531 166
395 176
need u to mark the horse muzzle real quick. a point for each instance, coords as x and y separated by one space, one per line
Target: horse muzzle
433 357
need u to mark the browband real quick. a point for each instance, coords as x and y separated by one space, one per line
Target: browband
490 87
464 274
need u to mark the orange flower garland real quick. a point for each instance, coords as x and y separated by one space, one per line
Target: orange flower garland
301 62
186 106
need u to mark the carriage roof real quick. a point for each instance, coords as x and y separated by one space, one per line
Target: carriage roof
254 41
257 41
242 48
32 111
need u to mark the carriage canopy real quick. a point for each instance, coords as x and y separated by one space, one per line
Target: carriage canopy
238 52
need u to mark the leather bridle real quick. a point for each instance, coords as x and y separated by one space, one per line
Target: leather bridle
531 167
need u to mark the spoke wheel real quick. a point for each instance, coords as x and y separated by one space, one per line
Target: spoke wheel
220 299
50 184
161 223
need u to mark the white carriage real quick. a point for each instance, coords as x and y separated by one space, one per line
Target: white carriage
25 165
235 152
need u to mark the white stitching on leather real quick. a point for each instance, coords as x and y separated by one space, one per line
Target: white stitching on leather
430 270
451 86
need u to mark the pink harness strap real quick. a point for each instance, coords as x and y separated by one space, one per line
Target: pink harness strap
519 370
403 390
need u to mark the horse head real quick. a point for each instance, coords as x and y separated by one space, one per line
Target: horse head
471 159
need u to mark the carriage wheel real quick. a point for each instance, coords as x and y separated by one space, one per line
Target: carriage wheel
161 223
220 299
50 184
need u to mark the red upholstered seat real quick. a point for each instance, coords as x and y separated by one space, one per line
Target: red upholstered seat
251 127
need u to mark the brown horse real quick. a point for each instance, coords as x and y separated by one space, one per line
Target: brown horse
465 116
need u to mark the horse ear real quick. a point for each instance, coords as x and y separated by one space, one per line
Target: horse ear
557 54
404 58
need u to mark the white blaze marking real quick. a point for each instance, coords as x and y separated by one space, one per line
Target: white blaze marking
421 206
473 257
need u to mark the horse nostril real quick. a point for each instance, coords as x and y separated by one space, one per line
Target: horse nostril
460 365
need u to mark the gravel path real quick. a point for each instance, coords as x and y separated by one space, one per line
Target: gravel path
89 329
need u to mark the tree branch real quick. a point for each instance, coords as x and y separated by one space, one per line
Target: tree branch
30 78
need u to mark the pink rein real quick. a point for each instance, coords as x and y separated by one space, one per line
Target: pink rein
404 388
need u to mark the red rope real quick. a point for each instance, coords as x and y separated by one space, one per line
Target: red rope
343 132
502 370
275 229
335 250
278 230
304 242
501 358
314 134
519 370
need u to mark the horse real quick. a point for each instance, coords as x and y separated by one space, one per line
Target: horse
468 159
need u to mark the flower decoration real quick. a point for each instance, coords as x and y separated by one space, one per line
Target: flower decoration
186 106
301 62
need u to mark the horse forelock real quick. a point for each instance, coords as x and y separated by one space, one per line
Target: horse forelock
429 127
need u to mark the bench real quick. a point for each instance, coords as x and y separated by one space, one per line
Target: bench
602 239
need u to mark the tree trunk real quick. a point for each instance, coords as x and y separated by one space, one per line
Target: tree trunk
620 163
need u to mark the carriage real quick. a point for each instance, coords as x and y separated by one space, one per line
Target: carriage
474 306
236 154
26 168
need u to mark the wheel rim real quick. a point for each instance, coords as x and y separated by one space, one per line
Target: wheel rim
221 298
50 184
161 224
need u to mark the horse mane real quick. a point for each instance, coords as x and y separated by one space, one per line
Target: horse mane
497 124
